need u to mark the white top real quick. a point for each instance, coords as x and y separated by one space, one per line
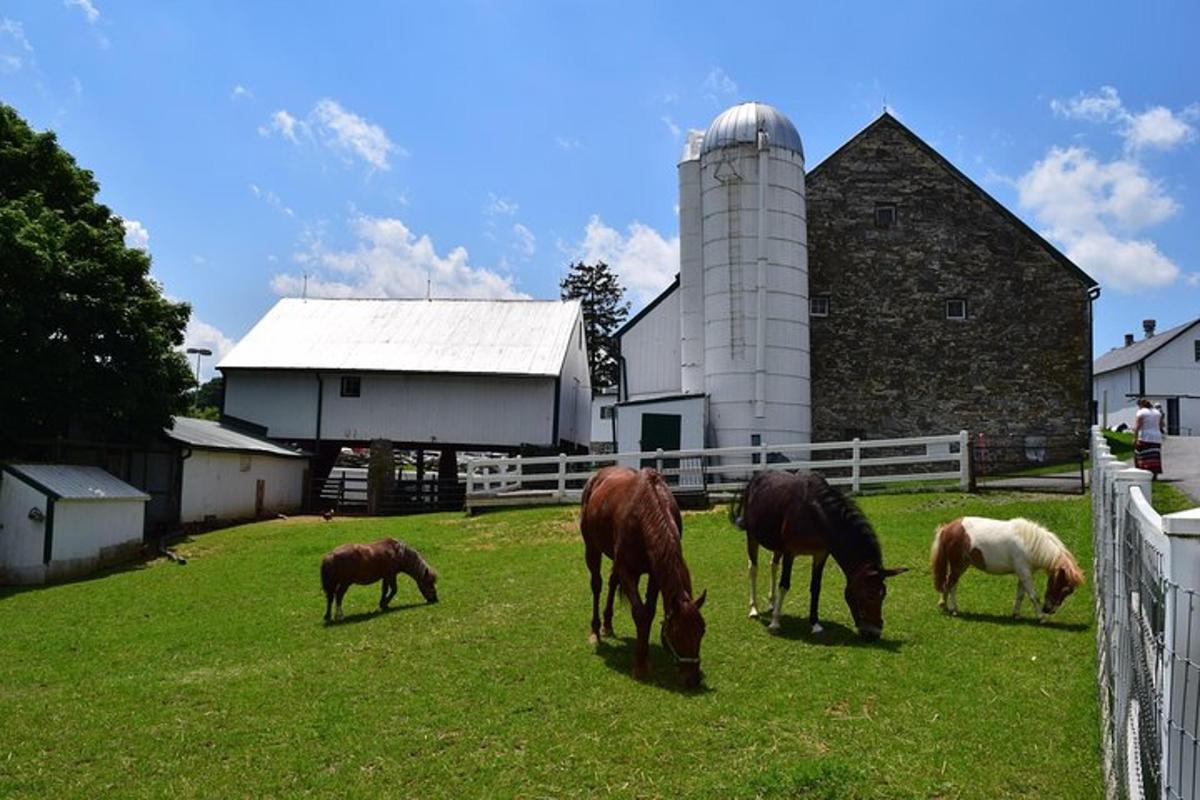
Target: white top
1149 420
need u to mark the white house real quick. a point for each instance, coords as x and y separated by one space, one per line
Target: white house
231 475
439 374
1163 367
60 521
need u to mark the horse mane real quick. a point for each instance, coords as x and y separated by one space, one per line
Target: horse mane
850 524
1042 546
661 536
411 562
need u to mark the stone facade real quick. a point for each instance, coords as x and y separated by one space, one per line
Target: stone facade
886 360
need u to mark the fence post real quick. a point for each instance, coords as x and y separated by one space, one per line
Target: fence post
1181 679
658 459
562 476
964 461
762 457
856 466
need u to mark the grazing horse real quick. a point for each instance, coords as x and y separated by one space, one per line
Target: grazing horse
1002 547
632 518
367 563
801 514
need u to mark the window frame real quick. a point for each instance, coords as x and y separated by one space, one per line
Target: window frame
886 216
812 311
349 381
956 318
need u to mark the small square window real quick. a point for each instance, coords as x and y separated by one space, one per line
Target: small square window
351 387
818 305
244 464
956 309
1196 344
885 215
608 412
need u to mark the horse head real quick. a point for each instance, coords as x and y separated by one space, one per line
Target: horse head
682 630
865 591
1065 577
427 583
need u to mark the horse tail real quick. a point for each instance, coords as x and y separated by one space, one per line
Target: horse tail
328 580
939 563
737 506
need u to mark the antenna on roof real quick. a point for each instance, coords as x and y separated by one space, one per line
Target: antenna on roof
428 285
885 103
304 291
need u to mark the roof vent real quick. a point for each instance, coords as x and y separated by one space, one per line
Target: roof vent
1128 339
1148 326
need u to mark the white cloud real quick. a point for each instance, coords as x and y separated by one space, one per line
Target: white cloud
86 6
340 130
136 235
644 260
526 242
200 334
283 123
567 143
671 126
1157 128
718 86
240 92
500 206
15 50
388 260
271 199
1092 208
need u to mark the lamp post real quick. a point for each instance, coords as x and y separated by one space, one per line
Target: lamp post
199 352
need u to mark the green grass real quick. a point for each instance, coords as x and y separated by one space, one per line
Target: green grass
1120 444
217 679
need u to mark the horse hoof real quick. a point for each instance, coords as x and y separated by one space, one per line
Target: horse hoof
608 631
817 629
753 613
593 639
773 628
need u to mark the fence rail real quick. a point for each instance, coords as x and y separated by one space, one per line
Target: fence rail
1147 575
560 479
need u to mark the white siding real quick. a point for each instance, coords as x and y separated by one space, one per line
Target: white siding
214 485
286 402
575 391
602 429
1171 372
21 539
85 529
651 351
691 427
1115 394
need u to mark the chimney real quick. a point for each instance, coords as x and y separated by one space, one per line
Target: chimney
1128 339
1148 326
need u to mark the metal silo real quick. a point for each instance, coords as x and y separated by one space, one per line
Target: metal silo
753 277
691 268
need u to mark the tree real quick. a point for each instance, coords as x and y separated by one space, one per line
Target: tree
604 309
87 340
206 400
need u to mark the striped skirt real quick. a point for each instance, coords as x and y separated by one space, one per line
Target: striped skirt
1148 456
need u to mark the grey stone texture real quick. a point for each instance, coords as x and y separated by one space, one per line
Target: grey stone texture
886 362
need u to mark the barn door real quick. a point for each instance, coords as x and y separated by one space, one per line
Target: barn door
661 430
260 489
1173 416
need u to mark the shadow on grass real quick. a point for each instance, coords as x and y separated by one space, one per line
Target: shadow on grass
144 558
834 635
374 613
617 653
1009 620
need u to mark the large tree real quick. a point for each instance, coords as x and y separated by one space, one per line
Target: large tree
87 340
604 309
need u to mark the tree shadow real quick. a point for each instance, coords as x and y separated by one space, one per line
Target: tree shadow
1009 620
374 613
834 635
143 559
617 652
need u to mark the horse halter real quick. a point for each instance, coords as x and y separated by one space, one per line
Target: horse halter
666 642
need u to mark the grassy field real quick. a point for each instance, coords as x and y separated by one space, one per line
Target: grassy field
218 679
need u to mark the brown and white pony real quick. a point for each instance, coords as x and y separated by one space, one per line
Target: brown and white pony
632 518
802 515
1003 547
367 563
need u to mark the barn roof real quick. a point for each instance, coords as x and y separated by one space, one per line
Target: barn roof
1120 357
206 434
69 482
496 337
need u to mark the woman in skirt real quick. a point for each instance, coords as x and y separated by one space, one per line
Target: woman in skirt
1148 430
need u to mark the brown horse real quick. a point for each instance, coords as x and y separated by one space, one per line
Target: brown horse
632 518
801 514
367 563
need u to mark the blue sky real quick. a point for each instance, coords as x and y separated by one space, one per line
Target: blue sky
375 146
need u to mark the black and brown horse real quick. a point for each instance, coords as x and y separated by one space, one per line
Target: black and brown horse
367 563
801 514
632 518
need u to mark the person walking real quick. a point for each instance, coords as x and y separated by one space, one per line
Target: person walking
1148 429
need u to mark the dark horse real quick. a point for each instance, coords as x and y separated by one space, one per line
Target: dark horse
632 518
801 514
367 563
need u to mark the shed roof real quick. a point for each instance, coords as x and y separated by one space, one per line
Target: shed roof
1121 357
211 435
496 337
69 482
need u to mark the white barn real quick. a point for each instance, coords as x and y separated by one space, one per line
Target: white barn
59 521
1163 367
440 374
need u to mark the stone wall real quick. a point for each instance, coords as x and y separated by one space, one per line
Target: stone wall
886 361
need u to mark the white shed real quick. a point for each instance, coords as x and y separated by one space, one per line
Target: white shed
59 521
1164 368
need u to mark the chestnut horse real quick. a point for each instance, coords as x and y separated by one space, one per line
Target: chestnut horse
367 563
632 518
801 514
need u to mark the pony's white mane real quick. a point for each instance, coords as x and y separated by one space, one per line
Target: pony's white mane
1041 545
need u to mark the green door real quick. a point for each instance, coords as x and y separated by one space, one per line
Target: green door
661 430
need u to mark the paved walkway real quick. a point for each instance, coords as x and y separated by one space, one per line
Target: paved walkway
1181 464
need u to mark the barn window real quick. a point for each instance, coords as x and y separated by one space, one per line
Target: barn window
885 215
244 464
818 305
608 412
956 309
1197 346
351 386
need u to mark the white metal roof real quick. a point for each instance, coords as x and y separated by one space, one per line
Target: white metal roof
68 482
211 435
498 337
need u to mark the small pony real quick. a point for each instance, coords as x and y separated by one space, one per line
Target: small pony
367 563
1002 547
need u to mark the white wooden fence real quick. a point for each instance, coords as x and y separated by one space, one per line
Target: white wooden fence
560 479
1147 579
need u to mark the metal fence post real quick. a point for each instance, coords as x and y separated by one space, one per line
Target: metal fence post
1181 679
856 465
562 476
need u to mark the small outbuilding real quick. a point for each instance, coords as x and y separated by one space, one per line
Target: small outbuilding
60 521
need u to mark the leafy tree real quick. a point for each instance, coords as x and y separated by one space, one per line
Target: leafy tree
604 309
206 400
87 341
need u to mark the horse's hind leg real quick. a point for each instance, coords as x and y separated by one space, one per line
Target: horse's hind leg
814 590
775 559
592 558
752 553
785 583
328 605
341 592
607 630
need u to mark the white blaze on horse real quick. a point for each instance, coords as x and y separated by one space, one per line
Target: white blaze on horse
1003 547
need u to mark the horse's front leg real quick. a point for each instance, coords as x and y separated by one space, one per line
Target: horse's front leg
785 583
644 624
387 592
752 553
607 630
814 590
641 619
1025 583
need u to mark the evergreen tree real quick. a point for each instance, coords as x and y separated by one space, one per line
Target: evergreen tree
87 340
604 309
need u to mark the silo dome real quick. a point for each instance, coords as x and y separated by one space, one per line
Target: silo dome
741 124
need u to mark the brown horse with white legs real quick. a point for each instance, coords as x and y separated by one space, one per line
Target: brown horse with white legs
801 514
367 563
632 518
